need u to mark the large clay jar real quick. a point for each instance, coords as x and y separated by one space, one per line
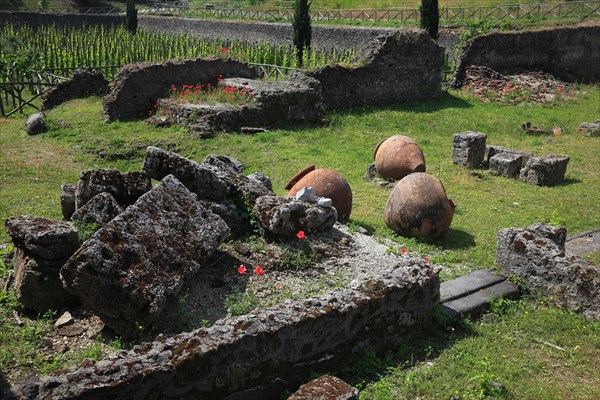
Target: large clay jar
327 183
398 156
418 207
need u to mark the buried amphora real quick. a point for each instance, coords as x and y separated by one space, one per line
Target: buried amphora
418 207
326 183
398 156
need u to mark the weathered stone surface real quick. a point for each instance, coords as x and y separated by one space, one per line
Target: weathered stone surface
400 66
468 149
591 129
83 83
306 194
370 173
506 164
126 188
536 50
228 212
127 270
37 283
537 255
545 170
67 200
43 237
253 357
99 210
229 170
494 150
262 178
326 387
36 124
200 178
284 215
139 86
271 104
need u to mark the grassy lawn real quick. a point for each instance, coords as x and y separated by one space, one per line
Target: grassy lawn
509 347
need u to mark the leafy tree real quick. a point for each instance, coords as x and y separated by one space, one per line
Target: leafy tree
302 28
430 17
131 17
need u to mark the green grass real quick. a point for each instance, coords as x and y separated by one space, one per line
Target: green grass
531 350
32 169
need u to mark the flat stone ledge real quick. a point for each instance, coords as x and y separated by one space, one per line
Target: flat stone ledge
474 304
468 284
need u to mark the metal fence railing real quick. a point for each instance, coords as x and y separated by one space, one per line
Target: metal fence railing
576 9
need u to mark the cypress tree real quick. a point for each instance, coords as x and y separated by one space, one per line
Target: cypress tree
302 28
131 17
430 17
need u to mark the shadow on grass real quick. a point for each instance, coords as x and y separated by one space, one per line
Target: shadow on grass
453 239
568 181
445 101
5 392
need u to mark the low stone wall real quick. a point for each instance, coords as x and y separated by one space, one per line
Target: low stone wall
403 66
571 54
83 83
37 20
139 86
259 355
323 36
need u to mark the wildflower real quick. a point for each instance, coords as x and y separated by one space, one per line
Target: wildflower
278 287
259 271
242 269
300 235
426 259
404 251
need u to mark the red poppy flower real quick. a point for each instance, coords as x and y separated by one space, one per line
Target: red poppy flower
242 269
300 235
259 271
404 251
426 259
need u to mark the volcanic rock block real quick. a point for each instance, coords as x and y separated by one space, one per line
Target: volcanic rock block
38 284
325 388
506 164
468 149
36 124
67 200
545 170
229 170
493 150
42 246
265 180
99 210
42 237
128 270
126 188
284 215
537 255
199 178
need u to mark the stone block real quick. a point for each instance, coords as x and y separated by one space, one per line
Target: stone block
506 164
200 178
468 284
326 387
468 149
43 237
67 200
126 271
36 124
37 283
537 255
99 210
126 188
284 215
494 150
474 304
545 170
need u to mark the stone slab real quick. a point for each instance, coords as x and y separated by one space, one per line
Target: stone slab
474 304
468 284
584 243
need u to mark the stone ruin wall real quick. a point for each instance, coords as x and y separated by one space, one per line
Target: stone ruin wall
138 86
399 67
259 355
570 54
